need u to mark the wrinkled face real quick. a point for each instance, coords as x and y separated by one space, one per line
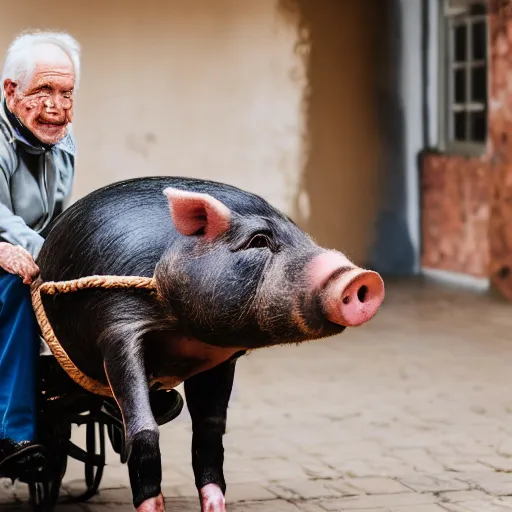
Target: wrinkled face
44 102
257 280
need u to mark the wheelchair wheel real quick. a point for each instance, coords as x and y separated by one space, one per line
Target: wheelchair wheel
93 459
60 465
44 485
116 436
94 472
40 496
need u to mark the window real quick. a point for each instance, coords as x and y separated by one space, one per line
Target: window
464 76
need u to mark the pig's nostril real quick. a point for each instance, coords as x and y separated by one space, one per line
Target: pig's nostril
362 293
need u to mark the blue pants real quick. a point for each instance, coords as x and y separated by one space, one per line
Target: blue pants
19 352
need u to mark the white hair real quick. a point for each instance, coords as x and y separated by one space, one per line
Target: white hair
20 64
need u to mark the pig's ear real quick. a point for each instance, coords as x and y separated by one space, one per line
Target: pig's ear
195 213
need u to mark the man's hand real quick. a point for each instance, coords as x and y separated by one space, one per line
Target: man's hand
16 260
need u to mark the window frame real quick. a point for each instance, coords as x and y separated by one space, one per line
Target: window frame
447 14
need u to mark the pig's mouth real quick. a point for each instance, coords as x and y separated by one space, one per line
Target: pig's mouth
352 296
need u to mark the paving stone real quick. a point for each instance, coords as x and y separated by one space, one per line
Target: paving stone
478 506
434 483
110 507
308 506
378 466
181 491
461 463
344 488
305 490
456 507
373 509
120 496
461 496
262 506
281 491
382 500
376 485
248 492
496 484
74 507
243 476
420 460
497 463
317 469
505 447
431 507
172 504
278 469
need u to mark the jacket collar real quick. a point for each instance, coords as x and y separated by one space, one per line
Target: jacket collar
20 133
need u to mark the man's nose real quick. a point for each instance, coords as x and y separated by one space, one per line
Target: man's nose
57 103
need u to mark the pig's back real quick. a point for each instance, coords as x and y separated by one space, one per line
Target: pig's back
124 228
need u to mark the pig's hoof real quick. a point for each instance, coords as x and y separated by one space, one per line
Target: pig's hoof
212 499
152 505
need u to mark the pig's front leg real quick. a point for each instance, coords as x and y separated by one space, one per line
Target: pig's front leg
207 397
124 366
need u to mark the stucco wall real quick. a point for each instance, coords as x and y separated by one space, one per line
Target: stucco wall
274 96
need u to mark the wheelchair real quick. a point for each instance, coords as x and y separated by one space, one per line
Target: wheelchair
62 404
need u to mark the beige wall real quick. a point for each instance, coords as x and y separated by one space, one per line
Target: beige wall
274 96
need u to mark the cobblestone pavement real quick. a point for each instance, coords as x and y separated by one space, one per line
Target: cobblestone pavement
410 413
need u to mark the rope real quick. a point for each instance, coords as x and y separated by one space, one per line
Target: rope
119 282
54 287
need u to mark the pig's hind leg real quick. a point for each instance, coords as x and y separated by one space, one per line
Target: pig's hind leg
208 395
125 370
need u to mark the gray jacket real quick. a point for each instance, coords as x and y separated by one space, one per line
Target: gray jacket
33 181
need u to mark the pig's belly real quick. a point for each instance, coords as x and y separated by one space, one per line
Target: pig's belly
169 379
175 360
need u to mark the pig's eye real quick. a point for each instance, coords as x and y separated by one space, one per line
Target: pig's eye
259 241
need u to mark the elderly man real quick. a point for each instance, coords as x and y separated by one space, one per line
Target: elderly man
37 153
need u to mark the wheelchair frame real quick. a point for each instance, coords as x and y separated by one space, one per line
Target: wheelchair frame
62 405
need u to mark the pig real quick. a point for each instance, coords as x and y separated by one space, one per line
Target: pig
232 274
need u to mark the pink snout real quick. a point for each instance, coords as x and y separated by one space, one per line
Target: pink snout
353 297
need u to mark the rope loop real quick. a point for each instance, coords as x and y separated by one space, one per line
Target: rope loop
56 287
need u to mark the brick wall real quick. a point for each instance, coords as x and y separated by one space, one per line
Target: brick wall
500 123
455 214
467 202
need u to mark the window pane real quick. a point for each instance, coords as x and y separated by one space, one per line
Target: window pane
479 34
479 84
478 123
459 43
459 86
470 6
459 126
460 4
479 8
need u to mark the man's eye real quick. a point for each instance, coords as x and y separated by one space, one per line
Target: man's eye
43 91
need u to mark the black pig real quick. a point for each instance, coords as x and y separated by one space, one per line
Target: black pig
232 274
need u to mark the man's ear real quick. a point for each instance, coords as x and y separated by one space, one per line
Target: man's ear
9 90
9 86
